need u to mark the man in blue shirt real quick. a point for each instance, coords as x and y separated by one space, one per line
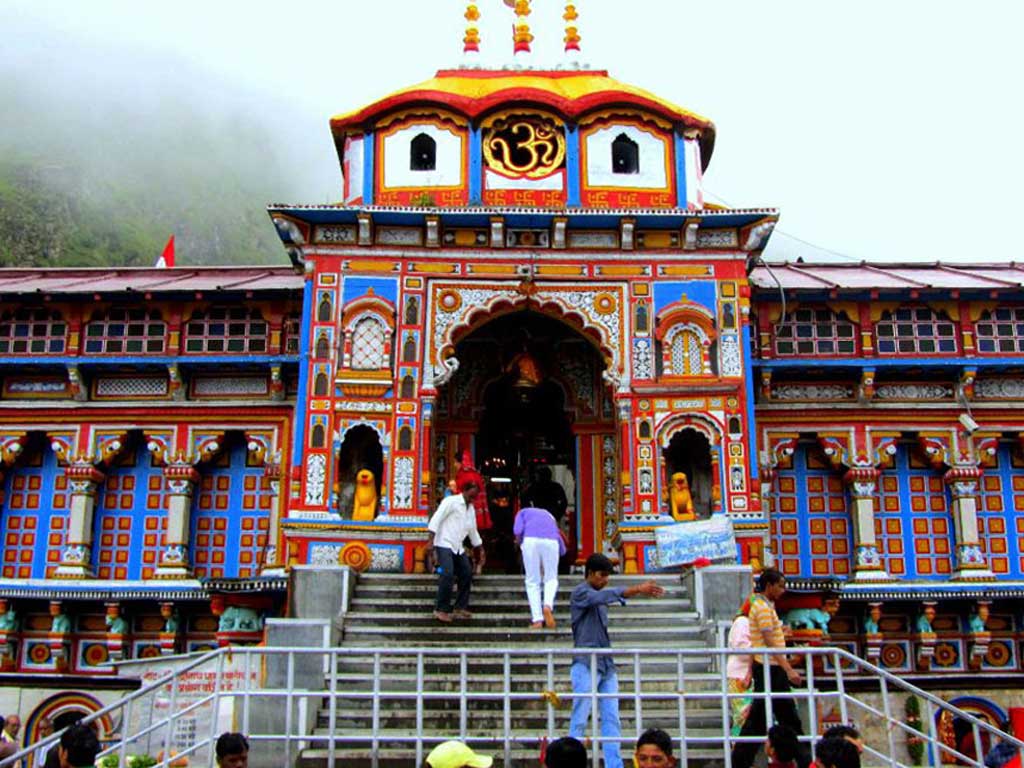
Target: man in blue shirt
589 609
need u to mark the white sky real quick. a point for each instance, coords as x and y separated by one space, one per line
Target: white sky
882 129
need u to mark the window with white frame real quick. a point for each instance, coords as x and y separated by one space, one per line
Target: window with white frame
815 332
915 330
32 331
686 352
368 345
135 331
1001 330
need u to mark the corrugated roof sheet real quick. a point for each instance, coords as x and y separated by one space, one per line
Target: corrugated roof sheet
804 276
148 280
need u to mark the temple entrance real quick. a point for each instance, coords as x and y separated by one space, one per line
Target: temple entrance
526 399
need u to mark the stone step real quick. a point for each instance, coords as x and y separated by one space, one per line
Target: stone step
364 756
358 677
496 605
502 621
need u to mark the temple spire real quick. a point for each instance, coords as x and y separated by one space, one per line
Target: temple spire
572 33
471 40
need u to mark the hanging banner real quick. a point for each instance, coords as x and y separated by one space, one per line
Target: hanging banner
684 543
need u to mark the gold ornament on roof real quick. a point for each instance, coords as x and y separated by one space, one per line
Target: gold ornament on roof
529 147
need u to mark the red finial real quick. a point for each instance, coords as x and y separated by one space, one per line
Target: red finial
471 41
521 37
572 33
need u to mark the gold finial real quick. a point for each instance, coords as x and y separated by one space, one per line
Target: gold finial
521 37
471 40
572 33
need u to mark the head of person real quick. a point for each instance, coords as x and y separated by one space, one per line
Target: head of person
782 744
597 570
12 724
453 485
470 490
566 752
544 474
771 583
847 732
835 752
654 750
455 754
78 747
232 751
45 727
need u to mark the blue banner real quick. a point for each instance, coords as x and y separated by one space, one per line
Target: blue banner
683 543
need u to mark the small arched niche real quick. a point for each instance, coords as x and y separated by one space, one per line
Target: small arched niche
360 449
689 452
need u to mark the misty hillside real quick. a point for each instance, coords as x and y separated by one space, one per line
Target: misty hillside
101 162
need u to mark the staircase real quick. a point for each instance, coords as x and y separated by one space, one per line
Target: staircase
394 611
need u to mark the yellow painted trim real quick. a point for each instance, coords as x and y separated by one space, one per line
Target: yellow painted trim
686 270
639 270
559 270
437 268
372 266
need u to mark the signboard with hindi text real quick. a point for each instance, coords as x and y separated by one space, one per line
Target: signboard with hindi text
683 543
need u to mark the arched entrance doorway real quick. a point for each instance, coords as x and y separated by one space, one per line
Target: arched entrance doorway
527 400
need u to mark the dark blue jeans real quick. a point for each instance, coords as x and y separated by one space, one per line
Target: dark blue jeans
452 567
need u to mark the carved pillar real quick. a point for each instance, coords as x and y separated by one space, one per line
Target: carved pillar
117 628
978 644
873 636
169 635
427 455
76 559
716 482
963 487
624 410
867 562
59 637
272 564
926 637
181 478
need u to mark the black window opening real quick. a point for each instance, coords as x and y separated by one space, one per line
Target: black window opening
423 153
625 155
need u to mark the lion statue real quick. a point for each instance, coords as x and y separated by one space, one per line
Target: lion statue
680 498
365 503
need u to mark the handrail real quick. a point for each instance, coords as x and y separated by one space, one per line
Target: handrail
464 661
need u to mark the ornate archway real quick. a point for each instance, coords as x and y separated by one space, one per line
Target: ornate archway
597 313
530 391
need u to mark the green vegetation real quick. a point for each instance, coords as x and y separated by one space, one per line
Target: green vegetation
100 168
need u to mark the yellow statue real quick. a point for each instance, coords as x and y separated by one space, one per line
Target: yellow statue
527 370
679 495
365 507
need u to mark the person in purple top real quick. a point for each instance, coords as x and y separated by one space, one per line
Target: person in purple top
538 536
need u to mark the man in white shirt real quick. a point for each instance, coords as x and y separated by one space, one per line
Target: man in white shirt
454 520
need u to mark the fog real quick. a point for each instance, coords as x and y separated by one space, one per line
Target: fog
882 131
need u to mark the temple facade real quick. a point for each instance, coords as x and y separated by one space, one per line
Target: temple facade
522 280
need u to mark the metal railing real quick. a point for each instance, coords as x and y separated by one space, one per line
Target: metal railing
339 704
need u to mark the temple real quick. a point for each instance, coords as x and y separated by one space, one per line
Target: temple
522 273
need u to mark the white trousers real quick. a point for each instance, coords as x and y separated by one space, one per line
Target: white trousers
540 561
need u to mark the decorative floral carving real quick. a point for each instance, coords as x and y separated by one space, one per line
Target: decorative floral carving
1000 389
810 392
729 355
642 359
403 482
324 554
912 392
316 475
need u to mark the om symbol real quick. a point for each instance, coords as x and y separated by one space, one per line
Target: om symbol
527 148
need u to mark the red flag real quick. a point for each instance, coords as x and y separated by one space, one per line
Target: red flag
167 257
